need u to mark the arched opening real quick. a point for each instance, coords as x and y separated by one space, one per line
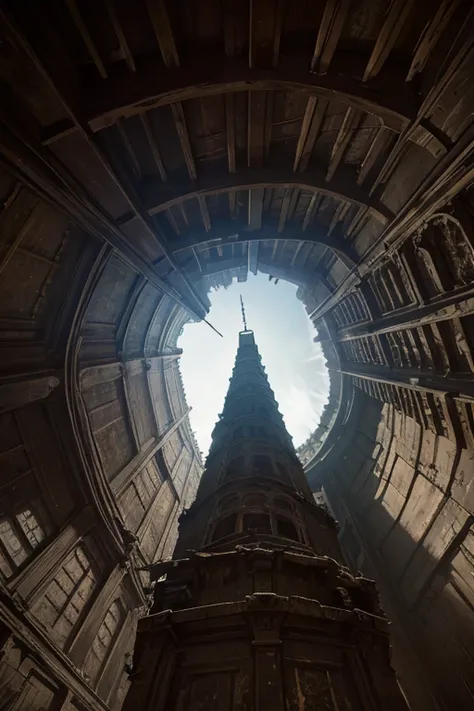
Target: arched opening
225 527
294 363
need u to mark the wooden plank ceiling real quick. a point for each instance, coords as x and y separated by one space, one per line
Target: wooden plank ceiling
167 121
307 140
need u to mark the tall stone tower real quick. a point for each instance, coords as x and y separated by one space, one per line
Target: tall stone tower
256 611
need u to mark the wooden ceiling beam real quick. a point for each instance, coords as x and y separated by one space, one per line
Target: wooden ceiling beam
413 379
395 21
121 128
166 42
349 125
430 36
172 220
285 206
311 210
268 125
118 29
274 250
380 142
253 248
204 212
28 165
339 215
48 60
184 140
160 196
310 128
86 36
357 222
257 105
257 131
230 141
230 131
184 214
298 249
307 257
153 146
196 257
236 231
164 34
255 207
446 307
462 55
387 97
123 181
330 30
293 203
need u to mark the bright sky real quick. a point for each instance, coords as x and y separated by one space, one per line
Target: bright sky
284 335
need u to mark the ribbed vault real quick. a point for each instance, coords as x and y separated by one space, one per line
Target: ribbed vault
152 150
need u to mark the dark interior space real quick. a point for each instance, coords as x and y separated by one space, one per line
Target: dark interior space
151 151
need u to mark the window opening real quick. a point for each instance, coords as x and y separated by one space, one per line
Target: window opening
286 528
225 527
258 522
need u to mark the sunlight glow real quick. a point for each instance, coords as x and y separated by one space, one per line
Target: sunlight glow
295 365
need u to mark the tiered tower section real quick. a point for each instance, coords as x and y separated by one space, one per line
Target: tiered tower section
256 611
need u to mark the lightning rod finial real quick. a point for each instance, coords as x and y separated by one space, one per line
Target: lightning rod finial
244 318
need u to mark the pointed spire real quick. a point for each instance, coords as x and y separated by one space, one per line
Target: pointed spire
243 313
251 426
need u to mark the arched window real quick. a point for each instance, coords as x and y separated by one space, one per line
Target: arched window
235 467
263 465
255 500
225 527
282 504
105 638
258 522
286 528
229 502
66 598
20 534
430 266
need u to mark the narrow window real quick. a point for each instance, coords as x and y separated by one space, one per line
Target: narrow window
258 522
286 528
263 465
101 646
225 527
66 596
19 536
235 467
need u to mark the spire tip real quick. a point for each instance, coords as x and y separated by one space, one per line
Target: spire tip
243 313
